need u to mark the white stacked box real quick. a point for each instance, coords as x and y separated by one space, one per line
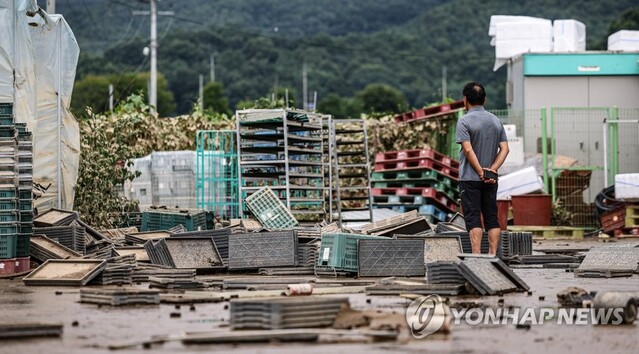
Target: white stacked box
511 131
498 19
624 40
515 38
569 36
516 155
627 186
523 181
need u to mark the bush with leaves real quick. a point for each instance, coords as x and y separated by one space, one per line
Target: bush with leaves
109 143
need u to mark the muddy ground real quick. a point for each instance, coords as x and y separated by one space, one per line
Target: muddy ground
90 329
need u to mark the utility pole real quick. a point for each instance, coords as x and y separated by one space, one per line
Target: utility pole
212 68
153 86
304 87
153 92
201 93
51 6
111 97
314 101
444 88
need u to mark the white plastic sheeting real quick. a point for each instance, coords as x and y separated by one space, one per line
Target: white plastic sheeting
624 41
569 36
36 62
57 55
17 62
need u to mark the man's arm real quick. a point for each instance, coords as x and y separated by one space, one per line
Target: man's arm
501 156
472 158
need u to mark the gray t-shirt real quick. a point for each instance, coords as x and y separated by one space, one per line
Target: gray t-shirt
485 132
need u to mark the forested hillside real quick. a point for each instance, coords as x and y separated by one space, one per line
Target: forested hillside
261 45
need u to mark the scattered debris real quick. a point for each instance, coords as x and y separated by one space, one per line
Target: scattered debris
399 257
282 313
119 296
22 330
67 272
609 261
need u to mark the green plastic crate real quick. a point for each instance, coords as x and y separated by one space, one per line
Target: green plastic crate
7 192
338 251
7 132
6 216
8 246
269 210
26 216
25 228
25 193
6 108
26 205
8 228
159 220
8 204
6 119
23 243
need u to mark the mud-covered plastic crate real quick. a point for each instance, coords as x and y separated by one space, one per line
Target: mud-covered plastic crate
338 251
8 245
164 219
269 210
23 242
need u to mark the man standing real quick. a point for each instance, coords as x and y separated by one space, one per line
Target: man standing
484 148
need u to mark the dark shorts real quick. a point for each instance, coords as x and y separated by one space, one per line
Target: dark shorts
479 199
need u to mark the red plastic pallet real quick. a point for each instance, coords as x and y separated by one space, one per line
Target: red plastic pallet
613 220
416 154
440 199
421 163
627 232
429 112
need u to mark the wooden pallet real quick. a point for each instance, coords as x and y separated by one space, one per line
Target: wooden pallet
551 232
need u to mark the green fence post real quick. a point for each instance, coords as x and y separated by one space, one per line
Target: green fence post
544 148
552 154
453 150
615 143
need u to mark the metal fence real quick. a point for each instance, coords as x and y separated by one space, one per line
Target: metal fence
576 157
216 173
622 133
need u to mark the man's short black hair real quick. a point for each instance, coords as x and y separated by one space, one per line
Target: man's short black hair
475 93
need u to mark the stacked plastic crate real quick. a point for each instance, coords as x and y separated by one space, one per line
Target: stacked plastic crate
16 203
422 179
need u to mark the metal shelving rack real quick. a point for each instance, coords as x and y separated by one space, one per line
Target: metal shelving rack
329 181
216 172
350 169
283 149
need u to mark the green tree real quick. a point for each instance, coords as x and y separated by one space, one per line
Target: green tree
340 107
629 20
214 99
382 99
